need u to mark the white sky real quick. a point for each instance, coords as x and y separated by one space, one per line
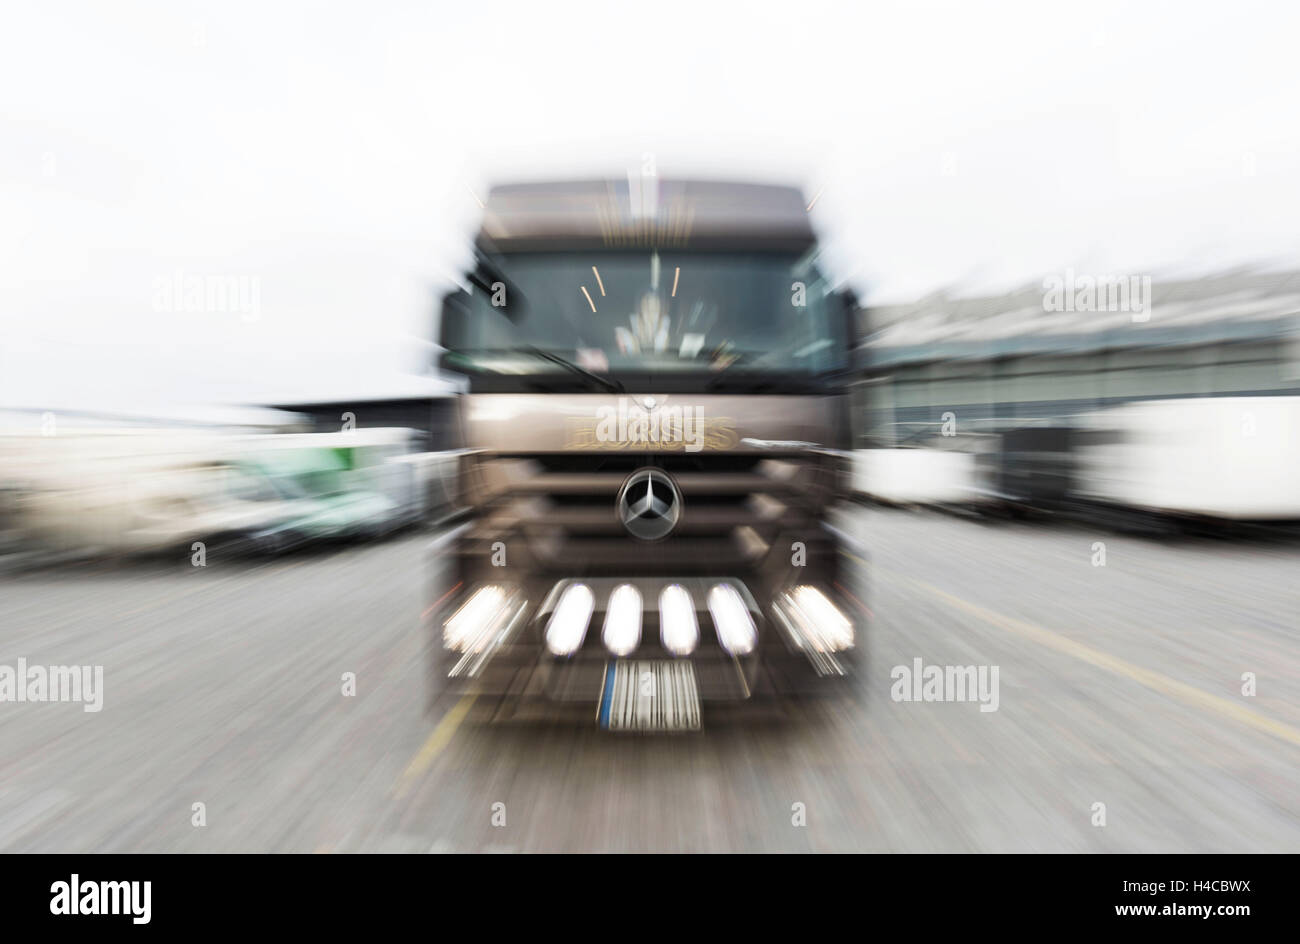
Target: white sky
325 149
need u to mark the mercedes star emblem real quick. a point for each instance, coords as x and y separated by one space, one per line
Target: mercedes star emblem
649 504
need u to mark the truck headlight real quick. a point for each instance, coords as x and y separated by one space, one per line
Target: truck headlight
568 625
678 629
731 619
623 620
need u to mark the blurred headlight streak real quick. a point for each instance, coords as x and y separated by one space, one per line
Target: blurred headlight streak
568 625
678 629
622 630
818 619
466 629
731 618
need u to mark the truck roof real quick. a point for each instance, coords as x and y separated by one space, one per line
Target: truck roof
645 212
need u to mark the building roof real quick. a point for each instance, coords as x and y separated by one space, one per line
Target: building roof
1227 307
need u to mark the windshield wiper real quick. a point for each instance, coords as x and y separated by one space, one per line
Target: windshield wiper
606 383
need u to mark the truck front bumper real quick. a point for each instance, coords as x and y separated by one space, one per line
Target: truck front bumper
527 641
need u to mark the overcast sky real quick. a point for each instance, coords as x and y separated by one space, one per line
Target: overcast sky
326 153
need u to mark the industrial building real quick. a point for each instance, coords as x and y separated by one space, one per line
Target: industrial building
997 362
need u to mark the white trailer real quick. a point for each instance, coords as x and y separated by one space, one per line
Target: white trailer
1231 458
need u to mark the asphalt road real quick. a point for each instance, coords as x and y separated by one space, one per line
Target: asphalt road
1118 685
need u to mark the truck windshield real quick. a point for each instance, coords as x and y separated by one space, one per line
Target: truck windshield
638 313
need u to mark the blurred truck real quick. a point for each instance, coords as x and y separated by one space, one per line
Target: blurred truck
653 437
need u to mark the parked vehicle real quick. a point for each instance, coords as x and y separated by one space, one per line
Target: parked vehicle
951 472
1214 458
1034 470
326 504
160 491
1157 465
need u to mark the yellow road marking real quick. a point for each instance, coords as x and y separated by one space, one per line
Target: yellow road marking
437 741
1104 660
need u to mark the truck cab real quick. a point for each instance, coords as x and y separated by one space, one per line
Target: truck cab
652 435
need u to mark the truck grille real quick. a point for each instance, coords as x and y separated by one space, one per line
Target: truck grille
558 510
